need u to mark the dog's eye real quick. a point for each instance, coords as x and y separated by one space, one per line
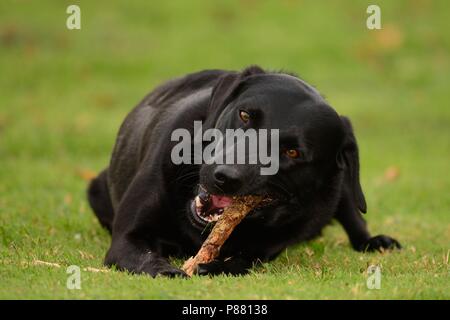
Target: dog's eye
244 115
292 153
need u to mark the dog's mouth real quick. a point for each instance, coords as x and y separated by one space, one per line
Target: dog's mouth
207 208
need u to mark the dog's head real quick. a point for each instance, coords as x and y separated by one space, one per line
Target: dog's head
311 147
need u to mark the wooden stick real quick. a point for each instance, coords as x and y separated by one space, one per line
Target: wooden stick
228 220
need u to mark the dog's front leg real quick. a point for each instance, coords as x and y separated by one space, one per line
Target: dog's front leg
137 227
355 226
127 255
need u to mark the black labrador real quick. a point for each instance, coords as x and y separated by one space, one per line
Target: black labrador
155 208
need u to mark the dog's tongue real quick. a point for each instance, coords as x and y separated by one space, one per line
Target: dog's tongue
221 201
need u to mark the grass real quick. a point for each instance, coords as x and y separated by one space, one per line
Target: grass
64 94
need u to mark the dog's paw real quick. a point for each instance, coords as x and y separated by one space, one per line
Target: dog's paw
155 265
171 272
217 267
210 269
380 243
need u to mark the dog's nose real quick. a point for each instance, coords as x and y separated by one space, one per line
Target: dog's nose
227 178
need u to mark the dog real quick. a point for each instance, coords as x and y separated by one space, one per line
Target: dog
156 209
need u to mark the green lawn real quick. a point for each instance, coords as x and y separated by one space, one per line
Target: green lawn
64 94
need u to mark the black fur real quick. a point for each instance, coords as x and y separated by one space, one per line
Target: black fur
144 199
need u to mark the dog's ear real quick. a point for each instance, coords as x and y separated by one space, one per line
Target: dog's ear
348 160
228 87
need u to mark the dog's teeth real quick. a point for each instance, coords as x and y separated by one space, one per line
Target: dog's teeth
198 202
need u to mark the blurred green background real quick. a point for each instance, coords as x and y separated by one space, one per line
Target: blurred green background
65 92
